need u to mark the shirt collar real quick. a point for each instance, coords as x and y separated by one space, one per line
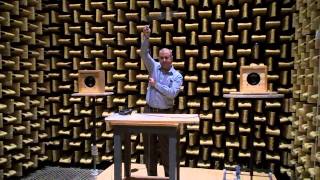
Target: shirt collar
170 70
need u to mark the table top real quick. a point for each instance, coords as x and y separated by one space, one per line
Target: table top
92 94
241 95
149 119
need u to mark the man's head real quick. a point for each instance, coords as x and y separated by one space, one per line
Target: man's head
165 58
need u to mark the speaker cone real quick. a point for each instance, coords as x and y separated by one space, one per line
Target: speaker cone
253 78
89 81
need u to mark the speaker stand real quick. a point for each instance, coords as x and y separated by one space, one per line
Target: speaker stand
94 149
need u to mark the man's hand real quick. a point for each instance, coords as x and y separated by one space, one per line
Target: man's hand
152 82
146 31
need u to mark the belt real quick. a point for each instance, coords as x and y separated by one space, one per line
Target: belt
157 110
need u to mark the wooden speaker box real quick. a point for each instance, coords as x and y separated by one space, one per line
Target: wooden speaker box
253 79
91 81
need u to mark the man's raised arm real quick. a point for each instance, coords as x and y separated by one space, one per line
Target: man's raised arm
148 61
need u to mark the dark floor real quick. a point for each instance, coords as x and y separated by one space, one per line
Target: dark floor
60 173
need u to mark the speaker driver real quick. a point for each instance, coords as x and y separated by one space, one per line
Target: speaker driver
90 81
253 78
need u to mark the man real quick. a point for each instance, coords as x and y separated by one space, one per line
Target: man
164 85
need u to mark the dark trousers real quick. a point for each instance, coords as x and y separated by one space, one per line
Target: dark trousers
150 142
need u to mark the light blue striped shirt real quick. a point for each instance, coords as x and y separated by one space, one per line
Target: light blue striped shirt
167 83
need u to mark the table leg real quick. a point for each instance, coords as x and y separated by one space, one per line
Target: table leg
117 155
149 153
178 157
172 157
127 154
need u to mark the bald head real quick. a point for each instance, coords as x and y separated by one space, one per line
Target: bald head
165 57
166 50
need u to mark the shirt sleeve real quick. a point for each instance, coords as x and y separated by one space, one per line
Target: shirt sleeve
170 92
148 61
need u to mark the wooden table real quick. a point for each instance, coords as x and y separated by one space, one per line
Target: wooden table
240 95
166 124
94 149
